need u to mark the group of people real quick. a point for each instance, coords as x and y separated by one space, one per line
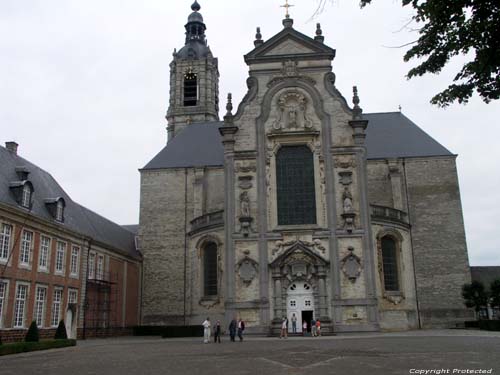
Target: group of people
236 326
315 327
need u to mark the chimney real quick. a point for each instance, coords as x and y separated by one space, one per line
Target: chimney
12 147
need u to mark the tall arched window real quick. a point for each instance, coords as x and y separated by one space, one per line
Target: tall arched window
210 269
26 197
190 89
390 264
295 186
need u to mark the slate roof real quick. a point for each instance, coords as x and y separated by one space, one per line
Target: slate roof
485 274
76 217
389 135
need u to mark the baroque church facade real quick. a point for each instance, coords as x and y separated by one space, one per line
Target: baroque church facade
296 203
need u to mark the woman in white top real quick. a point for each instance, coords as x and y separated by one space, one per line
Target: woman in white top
206 331
284 328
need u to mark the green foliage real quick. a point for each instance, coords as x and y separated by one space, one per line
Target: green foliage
475 295
32 334
458 27
21 347
0 340
61 331
489 325
495 293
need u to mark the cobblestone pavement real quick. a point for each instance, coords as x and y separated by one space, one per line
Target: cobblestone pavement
398 353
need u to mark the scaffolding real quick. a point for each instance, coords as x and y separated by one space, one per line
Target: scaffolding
101 310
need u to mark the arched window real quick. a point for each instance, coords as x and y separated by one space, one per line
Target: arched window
26 197
295 186
390 264
60 210
210 269
190 89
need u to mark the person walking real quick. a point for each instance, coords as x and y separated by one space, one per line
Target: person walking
304 328
318 327
232 329
284 328
217 332
241 328
206 330
313 327
294 323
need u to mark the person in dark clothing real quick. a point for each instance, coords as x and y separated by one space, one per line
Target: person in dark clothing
217 332
241 328
232 329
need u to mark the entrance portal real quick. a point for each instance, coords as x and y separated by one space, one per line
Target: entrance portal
300 302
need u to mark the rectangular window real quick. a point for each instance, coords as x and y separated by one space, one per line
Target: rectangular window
56 308
100 267
5 235
75 260
41 297
60 252
73 296
3 299
91 266
26 246
43 259
20 305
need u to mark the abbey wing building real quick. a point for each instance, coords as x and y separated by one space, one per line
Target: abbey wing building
297 202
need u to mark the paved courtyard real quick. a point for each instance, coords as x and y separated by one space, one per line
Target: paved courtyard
398 353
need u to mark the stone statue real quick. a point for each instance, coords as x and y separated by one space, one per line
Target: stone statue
244 204
347 197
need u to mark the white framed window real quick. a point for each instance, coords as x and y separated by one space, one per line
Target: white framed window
60 210
56 307
60 257
40 302
293 303
75 261
43 258
26 197
5 236
26 248
4 287
73 296
100 267
91 266
20 305
307 303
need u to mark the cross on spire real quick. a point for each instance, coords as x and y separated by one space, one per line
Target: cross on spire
287 6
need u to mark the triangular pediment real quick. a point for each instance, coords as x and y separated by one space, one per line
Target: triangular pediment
290 43
298 249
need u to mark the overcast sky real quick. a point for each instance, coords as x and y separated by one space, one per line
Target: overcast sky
84 90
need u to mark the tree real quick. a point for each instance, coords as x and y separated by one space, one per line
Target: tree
495 293
61 331
32 334
451 28
475 295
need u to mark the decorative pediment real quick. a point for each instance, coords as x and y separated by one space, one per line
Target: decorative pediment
290 43
298 252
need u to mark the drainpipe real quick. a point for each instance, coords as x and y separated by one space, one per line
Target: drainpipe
185 240
86 301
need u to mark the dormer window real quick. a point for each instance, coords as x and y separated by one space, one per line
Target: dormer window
56 208
26 197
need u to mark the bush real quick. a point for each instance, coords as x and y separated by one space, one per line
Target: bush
489 325
0 340
61 331
183 331
32 334
21 347
149 330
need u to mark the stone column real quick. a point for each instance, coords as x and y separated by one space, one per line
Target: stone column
278 298
323 300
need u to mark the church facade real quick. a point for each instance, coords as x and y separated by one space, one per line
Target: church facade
297 203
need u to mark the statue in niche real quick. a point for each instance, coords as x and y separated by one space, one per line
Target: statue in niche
292 112
347 198
245 204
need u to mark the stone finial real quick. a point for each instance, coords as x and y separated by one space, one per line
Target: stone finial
258 38
229 105
319 34
357 111
195 7
288 22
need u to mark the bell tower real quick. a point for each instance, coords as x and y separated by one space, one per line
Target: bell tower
194 79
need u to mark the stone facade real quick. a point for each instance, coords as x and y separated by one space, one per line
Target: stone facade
335 268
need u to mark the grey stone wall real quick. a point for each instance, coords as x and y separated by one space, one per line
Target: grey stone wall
438 236
379 183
